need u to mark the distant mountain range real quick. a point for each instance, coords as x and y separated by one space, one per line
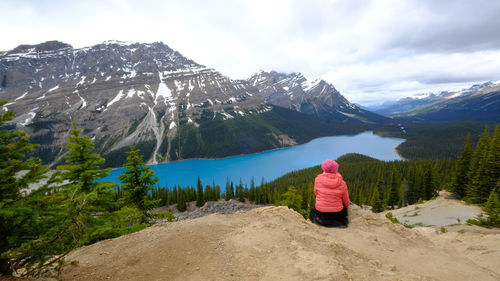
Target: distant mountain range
480 102
149 95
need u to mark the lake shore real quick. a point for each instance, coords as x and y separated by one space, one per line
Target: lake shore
271 164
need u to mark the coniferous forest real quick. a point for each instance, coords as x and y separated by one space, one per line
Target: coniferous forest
73 208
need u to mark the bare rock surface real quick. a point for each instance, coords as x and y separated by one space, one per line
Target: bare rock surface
442 211
221 207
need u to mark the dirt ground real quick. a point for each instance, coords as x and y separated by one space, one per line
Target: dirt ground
443 211
276 243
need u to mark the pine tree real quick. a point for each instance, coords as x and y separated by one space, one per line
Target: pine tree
292 199
412 194
137 180
311 197
460 178
492 208
231 190
377 205
181 201
82 166
251 191
429 184
199 194
394 190
380 186
16 213
227 194
65 217
492 166
240 192
218 191
477 168
208 194
175 195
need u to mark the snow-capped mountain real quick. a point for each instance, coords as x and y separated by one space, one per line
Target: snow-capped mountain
475 102
316 97
124 93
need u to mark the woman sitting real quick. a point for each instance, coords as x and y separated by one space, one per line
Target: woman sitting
332 197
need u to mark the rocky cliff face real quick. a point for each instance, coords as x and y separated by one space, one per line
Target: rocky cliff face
316 97
130 93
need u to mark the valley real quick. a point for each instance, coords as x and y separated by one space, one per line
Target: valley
186 135
151 96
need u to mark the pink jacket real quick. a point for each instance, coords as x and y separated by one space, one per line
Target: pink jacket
331 192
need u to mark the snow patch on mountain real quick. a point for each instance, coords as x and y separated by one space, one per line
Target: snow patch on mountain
163 90
21 97
118 97
53 89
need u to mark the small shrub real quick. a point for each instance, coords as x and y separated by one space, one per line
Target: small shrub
479 221
391 218
395 220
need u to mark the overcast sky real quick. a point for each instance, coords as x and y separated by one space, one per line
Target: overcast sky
370 51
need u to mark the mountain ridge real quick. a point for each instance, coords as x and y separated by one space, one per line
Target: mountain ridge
478 102
124 93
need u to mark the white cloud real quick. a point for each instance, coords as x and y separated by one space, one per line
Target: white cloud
370 50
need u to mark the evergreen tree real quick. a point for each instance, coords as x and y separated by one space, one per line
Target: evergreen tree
181 201
492 165
393 190
460 178
478 168
227 194
231 190
199 194
16 214
292 200
377 205
311 197
492 208
208 194
137 180
218 192
429 184
412 193
175 195
82 166
380 186
251 191
241 193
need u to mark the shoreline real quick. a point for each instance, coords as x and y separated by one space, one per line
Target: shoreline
279 148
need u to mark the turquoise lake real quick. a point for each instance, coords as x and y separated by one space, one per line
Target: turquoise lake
270 164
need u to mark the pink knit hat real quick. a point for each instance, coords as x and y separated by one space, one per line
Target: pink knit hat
330 166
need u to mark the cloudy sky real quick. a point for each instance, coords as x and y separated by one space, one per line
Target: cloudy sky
371 51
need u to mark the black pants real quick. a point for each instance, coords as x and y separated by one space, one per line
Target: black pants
334 219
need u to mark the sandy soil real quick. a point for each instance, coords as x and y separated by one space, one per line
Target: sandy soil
275 243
